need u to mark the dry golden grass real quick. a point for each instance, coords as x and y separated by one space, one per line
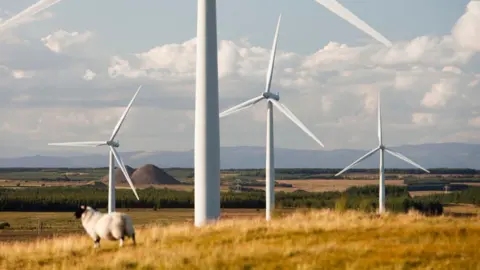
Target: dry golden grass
312 240
24 226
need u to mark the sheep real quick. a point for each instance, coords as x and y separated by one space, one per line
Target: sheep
112 226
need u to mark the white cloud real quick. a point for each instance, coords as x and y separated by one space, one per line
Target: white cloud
452 69
474 122
89 75
425 50
423 118
22 74
439 95
467 29
475 81
404 80
61 40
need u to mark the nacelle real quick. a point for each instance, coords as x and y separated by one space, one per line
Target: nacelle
113 143
271 95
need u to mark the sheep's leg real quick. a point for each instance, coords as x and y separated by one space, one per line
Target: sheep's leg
133 239
121 241
96 244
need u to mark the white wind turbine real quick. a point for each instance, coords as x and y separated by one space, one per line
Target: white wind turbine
382 148
113 154
271 99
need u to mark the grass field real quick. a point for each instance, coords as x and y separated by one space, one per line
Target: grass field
311 240
31 225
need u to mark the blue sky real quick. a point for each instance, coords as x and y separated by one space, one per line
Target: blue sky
128 26
66 72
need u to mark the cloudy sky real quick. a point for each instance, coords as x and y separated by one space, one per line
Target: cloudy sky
67 71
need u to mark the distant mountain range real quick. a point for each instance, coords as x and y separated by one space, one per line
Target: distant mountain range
441 155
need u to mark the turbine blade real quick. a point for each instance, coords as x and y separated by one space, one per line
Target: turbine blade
271 64
246 104
122 118
380 139
359 160
347 15
86 144
404 158
124 170
295 120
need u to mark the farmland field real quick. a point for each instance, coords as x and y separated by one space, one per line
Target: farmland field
311 180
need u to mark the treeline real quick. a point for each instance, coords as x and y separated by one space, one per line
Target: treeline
470 195
68 198
254 183
439 180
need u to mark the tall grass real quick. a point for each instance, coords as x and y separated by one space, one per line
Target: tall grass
322 239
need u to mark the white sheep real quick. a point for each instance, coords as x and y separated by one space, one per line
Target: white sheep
112 226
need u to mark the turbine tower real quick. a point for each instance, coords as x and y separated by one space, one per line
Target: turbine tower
271 98
383 149
113 155
207 137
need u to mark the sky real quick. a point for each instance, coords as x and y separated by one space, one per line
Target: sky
68 68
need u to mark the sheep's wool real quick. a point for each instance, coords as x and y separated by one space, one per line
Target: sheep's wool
112 226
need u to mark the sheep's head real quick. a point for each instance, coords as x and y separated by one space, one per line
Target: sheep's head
80 211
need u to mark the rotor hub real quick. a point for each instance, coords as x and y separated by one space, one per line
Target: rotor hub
113 143
271 95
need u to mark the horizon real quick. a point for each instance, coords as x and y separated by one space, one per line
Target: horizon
79 153
431 155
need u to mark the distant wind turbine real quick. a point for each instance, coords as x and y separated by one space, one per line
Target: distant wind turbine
113 154
271 99
382 149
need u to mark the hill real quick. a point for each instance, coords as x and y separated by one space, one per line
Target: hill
151 174
119 177
146 175
313 240
440 155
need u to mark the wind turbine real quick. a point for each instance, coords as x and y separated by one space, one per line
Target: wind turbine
113 154
383 149
271 98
